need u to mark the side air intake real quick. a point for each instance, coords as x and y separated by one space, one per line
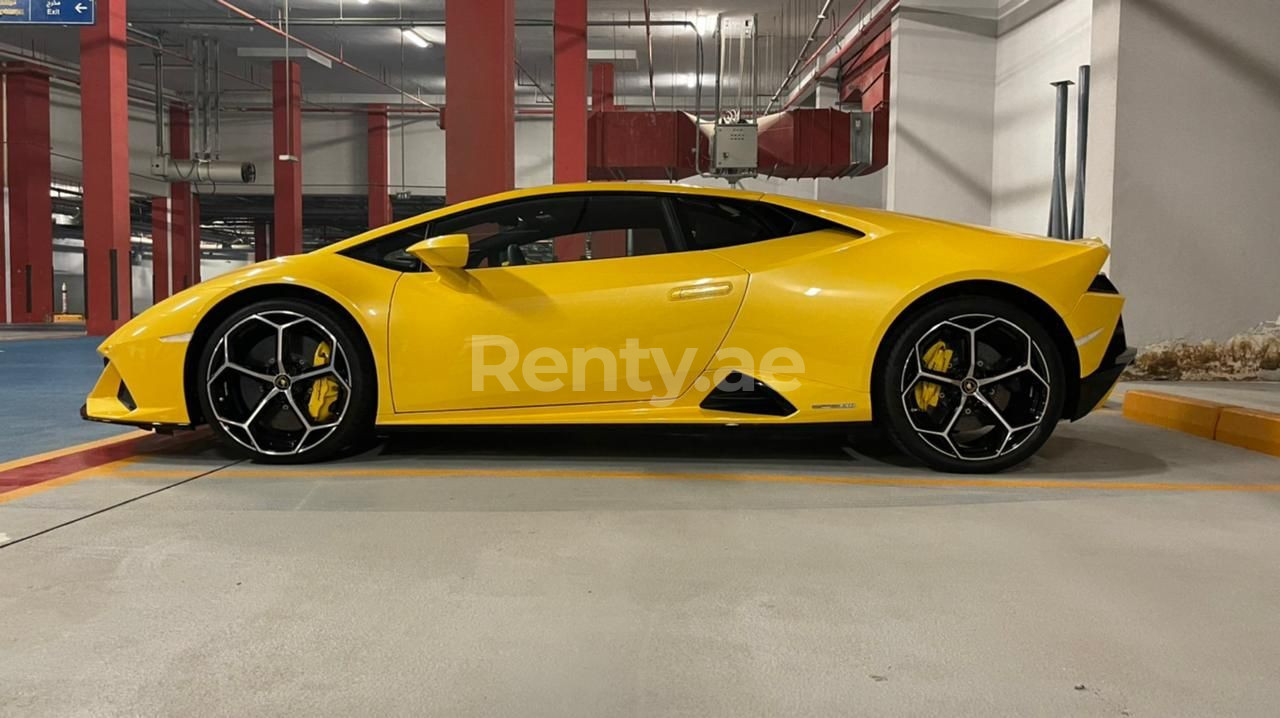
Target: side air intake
741 394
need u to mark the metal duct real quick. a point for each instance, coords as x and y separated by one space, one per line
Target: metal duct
202 171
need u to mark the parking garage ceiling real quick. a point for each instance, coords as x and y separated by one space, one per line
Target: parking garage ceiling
370 36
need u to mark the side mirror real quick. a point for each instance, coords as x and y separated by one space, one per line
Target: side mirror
448 251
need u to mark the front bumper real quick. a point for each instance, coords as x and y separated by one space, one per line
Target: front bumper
162 427
1095 388
141 385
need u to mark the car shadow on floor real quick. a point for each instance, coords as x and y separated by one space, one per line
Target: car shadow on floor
791 449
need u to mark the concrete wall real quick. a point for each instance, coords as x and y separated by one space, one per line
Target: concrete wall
1048 46
1197 167
942 95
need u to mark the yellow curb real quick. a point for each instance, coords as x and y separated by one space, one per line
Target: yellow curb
1250 429
1179 413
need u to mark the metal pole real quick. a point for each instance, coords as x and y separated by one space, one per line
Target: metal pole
1082 150
159 62
1058 201
197 76
719 65
755 58
216 74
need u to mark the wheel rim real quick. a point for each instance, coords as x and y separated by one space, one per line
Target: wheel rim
279 383
975 387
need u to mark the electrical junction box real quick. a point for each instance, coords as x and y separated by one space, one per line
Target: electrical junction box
735 149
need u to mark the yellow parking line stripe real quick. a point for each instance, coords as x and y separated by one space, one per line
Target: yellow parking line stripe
904 481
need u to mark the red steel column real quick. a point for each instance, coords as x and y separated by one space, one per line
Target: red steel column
161 249
570 112
27 252
601 87
261 240
286 107
480 147
104 123
195 239
177 273
379 166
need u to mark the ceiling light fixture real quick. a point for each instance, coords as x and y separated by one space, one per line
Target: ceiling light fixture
412 36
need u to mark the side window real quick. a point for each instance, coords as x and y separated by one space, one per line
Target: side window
715 223
389 251
562 228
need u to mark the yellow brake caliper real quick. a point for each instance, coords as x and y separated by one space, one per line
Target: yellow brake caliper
937 359
324 391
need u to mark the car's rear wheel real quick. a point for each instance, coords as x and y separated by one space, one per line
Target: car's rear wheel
971 385
285 381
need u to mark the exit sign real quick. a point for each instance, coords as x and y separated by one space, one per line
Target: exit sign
48 12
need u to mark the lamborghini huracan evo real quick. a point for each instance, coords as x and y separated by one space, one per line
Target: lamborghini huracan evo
616 303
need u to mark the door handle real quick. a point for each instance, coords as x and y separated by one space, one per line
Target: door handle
701 291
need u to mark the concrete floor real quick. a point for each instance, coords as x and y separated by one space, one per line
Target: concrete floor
45 381
1126 571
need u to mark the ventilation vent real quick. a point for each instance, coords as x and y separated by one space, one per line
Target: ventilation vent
742 394
124 397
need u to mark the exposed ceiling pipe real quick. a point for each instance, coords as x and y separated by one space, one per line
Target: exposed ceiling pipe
533 80
648 41
407 22
188 59
69 76
159 103
795 64
361 110
832 62
332 58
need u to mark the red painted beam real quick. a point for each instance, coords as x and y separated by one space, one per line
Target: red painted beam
286 103
181 230
480 83
104 127
379 166
570 120
27 251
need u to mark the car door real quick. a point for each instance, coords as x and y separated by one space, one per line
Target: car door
567 299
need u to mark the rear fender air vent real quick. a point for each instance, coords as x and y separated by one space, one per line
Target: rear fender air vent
741 394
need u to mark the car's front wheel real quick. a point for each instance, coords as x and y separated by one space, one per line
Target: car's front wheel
285 381
970 385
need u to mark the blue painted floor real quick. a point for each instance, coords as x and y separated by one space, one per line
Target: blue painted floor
43 382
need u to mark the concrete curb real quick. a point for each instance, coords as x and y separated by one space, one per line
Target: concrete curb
1236 425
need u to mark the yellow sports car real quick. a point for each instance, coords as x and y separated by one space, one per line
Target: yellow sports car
615 303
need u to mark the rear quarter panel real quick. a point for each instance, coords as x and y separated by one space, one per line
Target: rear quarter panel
832 297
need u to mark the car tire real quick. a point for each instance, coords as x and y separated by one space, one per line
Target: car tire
319 403
970 385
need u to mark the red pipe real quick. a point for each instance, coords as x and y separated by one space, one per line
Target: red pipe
832 62
330 57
